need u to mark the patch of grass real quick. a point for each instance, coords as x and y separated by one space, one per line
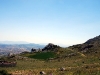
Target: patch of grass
43 55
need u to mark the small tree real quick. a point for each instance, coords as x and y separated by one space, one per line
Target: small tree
33 50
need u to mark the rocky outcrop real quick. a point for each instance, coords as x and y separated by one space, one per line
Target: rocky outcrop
7 64
50 47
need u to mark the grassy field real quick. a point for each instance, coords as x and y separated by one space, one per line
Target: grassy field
77 64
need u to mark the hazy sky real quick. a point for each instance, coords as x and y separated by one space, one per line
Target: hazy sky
60 22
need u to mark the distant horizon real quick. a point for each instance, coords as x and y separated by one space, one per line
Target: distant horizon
25 42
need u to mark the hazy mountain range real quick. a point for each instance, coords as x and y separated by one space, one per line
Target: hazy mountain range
14 42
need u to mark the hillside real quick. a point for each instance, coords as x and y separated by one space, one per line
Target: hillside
91 45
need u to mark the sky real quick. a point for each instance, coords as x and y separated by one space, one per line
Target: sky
62 22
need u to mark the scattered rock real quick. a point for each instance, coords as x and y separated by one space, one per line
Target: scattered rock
42 73
62 69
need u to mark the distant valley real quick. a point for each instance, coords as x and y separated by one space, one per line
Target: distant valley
17 47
